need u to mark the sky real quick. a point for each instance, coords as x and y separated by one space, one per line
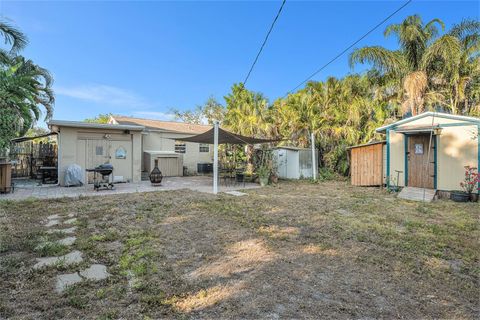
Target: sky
143 58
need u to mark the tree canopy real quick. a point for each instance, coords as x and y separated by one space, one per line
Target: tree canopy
25 88
432 69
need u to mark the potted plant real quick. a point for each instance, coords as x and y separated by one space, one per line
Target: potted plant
469 185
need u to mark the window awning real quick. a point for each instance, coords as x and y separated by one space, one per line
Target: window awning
224 137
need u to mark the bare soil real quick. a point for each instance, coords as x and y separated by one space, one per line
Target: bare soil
295 250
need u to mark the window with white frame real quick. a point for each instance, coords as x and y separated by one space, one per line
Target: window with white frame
180 147
204 147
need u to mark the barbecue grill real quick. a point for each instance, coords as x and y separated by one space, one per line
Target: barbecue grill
101 176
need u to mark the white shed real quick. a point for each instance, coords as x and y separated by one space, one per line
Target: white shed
294 163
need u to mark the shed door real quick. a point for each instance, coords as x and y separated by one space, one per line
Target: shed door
421 170
98 152
170 166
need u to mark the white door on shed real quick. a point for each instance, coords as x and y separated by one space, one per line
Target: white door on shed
98 152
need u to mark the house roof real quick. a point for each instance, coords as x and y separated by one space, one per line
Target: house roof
170 126
427 114
89 125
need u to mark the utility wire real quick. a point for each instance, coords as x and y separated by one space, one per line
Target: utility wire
264 42
349 47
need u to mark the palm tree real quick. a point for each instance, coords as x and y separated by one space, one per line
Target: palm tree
453 60
13 37
406 65
24 87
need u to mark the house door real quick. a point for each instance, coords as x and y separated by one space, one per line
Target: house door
421 166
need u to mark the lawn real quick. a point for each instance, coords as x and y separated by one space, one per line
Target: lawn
295 250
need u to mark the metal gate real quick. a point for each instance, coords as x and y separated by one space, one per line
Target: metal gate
28 156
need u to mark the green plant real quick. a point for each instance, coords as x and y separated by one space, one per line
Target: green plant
471 180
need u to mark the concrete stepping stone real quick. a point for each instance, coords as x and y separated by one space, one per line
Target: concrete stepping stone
51 223
65 280
67 230
68 241
68 259
235 193
53 217
70 221
95 272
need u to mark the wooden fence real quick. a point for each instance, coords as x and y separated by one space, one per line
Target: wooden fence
367 164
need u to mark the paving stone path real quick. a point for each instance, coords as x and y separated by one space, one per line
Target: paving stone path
95 272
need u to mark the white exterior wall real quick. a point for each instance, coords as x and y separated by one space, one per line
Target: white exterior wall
162 141
397 158
458 147
72 144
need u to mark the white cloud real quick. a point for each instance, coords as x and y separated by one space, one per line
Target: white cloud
103 94
155 115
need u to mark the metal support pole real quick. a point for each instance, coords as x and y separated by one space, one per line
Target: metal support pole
215 157
314 162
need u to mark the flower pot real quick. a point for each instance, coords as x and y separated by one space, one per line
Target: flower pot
263 181
474 197
274 179
459 196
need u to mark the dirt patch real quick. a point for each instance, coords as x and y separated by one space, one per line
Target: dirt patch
297 250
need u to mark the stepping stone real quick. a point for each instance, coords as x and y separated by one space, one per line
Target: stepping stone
68 230
70 221
71 215
68 241
65 280
236 193
68 259
53 217
51 223
95 272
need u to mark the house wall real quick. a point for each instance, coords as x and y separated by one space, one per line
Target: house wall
164 141
457 147
74 143
397 157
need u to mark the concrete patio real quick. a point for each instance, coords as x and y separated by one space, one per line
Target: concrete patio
28 189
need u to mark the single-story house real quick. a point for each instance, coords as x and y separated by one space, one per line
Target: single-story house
131 145
158 137
455 144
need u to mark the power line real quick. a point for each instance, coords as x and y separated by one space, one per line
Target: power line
349 47
264 42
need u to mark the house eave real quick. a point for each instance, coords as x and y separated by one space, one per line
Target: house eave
427 114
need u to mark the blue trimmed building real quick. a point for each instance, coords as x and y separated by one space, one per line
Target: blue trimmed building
431 150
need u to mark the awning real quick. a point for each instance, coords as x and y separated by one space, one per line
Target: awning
417 128
23 139
224 137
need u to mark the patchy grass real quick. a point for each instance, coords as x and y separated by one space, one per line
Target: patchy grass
295 250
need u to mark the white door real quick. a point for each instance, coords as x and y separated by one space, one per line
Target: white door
97 153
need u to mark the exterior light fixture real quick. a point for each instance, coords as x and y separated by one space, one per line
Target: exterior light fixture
437 131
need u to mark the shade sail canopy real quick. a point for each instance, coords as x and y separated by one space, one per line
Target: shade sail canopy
225 137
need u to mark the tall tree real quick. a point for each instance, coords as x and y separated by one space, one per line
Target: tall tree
406 65
24 88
